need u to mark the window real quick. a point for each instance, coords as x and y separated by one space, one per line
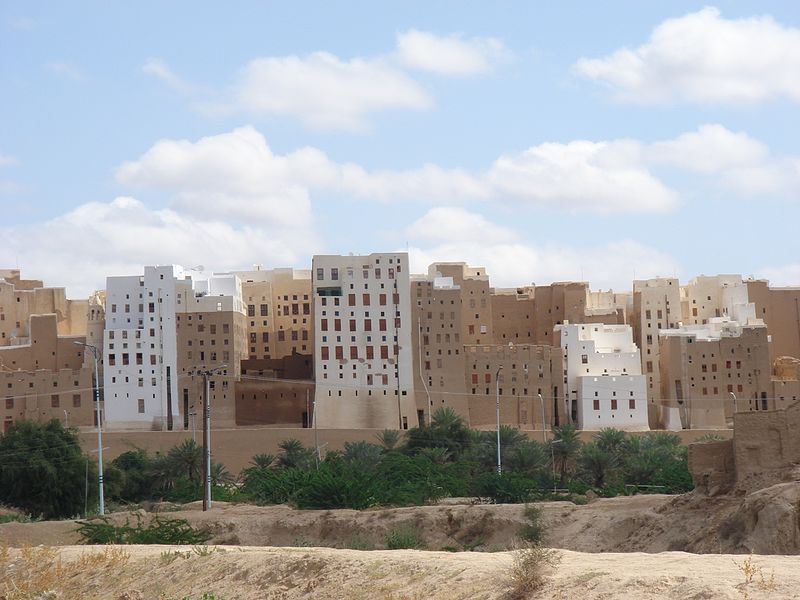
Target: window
370 352
320 274
382 324
264 310
649 366
339 352
9 403
382 299
354 352
352 324
367 324
141 405
584 359
324 324
613 404
138 358
351 299
324 353
335 274
365 299
337 324
596 404
632 403
251 310
54 401
152 359
384 351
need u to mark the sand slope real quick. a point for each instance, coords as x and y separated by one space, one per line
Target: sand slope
248 573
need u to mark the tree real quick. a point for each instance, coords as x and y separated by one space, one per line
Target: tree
598 463
611 440
42 469
294 455
564 448
389 439
262 461
186 460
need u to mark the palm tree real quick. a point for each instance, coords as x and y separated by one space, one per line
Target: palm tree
389 439
186 459
564 448
363 455
598 463
295 455
437 456
611 440
527 457
262 461
220 475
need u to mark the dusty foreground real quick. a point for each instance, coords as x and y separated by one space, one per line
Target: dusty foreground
250 573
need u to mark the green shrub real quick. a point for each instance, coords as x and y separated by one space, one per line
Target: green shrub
533 530
158 531
508 488
404 538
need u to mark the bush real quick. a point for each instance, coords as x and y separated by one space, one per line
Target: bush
533 530
530 570
404 538
508 488
158 531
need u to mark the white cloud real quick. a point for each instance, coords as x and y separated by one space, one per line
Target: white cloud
323 91
7 160
233 176
512 262
448 55
776 177
161 70
710 149
702 57
65 70
237 175
23 23
582 175
118 237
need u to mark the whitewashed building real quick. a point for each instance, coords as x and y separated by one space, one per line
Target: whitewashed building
362 342
603 377
143 358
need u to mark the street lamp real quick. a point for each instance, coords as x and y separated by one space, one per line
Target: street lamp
553 460
497 399
207 373
102 500
733 396
544 428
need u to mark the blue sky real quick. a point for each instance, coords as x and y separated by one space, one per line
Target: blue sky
545 142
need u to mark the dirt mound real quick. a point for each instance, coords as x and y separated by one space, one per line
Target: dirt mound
765 522
162 572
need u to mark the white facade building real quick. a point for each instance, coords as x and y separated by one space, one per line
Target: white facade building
362 342
140 342
603 377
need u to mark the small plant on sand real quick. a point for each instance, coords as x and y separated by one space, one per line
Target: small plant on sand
533 530
754 573
404 538
531 569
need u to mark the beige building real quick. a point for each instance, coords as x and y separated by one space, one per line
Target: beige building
21 298
779 307
786 381
704 367
452 306
656 306
46 377
279 319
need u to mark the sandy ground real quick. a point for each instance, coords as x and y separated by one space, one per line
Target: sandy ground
765 522
248 573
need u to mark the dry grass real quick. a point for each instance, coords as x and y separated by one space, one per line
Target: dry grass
532 567
41 574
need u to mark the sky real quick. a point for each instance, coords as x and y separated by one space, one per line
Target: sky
544 141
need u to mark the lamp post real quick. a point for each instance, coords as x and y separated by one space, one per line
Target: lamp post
497 401
733 416
66 419
553 460
207 373
544 428
101 496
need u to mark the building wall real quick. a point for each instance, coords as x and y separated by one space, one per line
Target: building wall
21 298
699 375
46 378
605 353
656 306
557 304
528 372
780 310
362 337
279 319
513 316
766 440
